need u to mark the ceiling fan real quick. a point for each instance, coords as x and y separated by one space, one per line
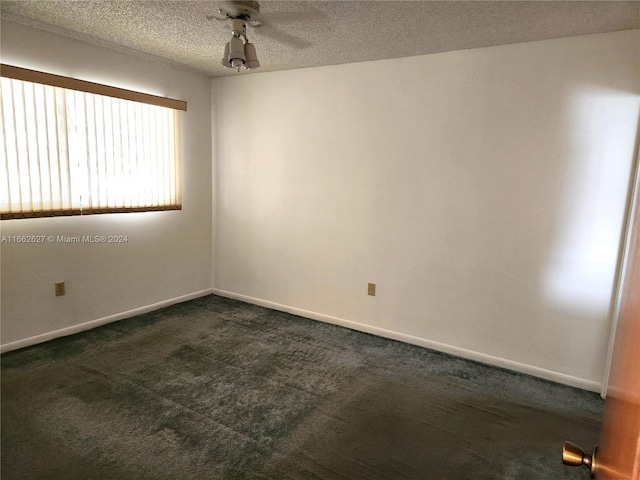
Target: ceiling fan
239 52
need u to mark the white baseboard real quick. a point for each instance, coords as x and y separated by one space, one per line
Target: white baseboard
423 342
381 332
81 327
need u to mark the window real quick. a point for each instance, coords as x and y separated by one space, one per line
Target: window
86 148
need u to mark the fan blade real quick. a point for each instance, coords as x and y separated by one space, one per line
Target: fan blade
282 17
282 37
218 17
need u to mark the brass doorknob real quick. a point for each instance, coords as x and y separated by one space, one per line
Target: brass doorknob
574 456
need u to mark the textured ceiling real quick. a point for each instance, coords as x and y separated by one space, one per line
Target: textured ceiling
312 33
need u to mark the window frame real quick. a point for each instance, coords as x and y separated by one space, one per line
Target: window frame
42 78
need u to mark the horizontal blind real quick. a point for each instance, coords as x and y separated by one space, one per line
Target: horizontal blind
67 152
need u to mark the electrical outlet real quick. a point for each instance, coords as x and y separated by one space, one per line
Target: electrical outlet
371 289
60 289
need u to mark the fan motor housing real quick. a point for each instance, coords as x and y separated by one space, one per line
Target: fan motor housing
240 9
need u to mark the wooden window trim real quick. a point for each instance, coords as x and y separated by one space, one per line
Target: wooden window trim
34 76
86 211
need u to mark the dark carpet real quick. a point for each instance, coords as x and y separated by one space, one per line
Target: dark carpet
219 389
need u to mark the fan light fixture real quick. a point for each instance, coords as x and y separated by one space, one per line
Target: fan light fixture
239 52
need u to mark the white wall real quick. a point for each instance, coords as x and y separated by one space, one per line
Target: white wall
482 190
168 254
